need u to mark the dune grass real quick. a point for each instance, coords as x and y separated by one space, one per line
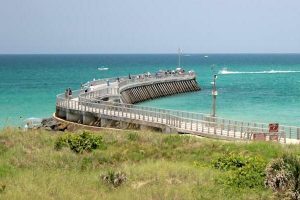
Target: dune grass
157 166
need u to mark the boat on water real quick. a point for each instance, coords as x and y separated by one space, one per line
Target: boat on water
224 71
103 68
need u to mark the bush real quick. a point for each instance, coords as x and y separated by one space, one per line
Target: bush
230 162
241 171
283 176
114 179
80 142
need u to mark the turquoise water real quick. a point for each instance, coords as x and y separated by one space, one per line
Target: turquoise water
263 88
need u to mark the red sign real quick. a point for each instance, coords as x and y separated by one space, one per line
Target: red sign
273 127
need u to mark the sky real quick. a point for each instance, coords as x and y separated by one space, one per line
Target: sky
149 26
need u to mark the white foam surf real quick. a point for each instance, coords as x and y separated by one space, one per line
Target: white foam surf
224 71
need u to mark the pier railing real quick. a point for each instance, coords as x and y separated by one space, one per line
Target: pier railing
128 82
125 80
186 122
95 95
181 120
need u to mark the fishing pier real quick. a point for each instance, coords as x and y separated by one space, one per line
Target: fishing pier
111 103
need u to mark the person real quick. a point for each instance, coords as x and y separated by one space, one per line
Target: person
26 126
129 77
118 79
107 81
70 92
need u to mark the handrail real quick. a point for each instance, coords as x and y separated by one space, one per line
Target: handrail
211 127
128 83
192 121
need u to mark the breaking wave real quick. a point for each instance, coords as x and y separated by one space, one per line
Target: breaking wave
225 71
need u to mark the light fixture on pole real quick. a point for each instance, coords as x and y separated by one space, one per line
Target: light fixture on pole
214 95
179 55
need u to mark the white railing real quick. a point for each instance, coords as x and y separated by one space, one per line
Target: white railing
181 120
124 80
127 82
98 94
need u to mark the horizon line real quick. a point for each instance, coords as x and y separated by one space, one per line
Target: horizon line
184 53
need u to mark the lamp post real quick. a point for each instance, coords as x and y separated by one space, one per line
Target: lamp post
179 54
214 95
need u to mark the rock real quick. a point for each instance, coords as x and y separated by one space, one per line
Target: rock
51 124
62 127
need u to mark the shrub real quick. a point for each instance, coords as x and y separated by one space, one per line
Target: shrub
229 162
80 142
283 176
114 179
241 171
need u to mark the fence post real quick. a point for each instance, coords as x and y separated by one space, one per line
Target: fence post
179 122
215 127
234 126
228 128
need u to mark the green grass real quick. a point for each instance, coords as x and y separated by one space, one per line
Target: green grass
158 166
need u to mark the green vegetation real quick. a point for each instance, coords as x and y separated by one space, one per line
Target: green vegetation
114 179
80 142
242 171
137 165
283 176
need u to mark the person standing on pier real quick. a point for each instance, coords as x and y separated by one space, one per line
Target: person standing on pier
70 92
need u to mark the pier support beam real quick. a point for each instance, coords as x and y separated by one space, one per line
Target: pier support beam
89 119
143 92
61 113
74 116
168 129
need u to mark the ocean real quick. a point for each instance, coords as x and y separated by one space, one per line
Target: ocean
253 87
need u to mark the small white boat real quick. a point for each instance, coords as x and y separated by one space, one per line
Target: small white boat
205 56
224 71
103 68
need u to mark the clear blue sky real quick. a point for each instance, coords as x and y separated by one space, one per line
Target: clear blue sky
149 26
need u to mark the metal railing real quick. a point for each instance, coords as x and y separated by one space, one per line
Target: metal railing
124 80
181 120
128 82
